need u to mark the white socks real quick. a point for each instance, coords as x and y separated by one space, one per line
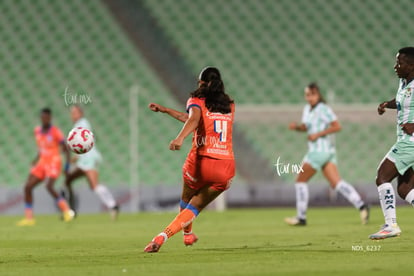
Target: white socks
387 200
349 192
105 195
164 236
302 199
410 197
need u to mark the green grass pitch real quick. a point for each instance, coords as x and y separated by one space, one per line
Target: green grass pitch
235 242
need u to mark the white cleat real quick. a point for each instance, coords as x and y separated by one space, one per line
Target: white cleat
294 221
386 231
114 212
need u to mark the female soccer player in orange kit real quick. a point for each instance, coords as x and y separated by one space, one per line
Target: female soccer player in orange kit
210 165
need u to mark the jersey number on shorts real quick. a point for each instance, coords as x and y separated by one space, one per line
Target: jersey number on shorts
221 128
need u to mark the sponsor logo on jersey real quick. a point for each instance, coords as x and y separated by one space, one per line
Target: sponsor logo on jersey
218 115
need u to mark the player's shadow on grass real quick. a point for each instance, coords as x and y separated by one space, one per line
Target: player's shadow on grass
267 247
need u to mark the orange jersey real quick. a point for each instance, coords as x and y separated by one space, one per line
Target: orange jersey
213 136
48 143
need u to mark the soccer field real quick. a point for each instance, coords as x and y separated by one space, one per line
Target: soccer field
236 242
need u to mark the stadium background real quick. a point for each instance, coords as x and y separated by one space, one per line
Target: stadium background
117 56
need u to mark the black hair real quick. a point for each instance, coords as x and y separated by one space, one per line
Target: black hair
212 89
314 86
408 52
46 110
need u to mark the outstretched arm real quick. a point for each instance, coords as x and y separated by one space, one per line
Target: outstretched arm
334 127
390 104
297 127
180 116
189 126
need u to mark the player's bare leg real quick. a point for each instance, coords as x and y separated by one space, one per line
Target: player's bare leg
330 171
31 183
68 214
302 195
187 194
197 203
405 187
102 192
385 174
70 177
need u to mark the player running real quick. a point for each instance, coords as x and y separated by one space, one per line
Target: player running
399 161
320 122
87 165
46 166
209 166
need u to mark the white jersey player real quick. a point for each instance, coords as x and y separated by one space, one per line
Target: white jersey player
399 161
87 165
320 123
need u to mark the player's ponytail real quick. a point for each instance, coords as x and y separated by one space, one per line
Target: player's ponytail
212 89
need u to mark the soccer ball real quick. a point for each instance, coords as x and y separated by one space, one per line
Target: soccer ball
80 140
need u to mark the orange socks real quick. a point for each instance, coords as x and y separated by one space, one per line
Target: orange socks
189 228
63 205
61 202
28 210
182 220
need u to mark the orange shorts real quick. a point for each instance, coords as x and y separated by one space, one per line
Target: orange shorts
201 171
43 169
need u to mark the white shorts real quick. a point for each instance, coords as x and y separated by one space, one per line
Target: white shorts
318 160
89 160
402 155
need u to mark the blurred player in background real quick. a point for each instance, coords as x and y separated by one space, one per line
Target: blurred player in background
46 166
399 161
210 165
87 165
320 122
